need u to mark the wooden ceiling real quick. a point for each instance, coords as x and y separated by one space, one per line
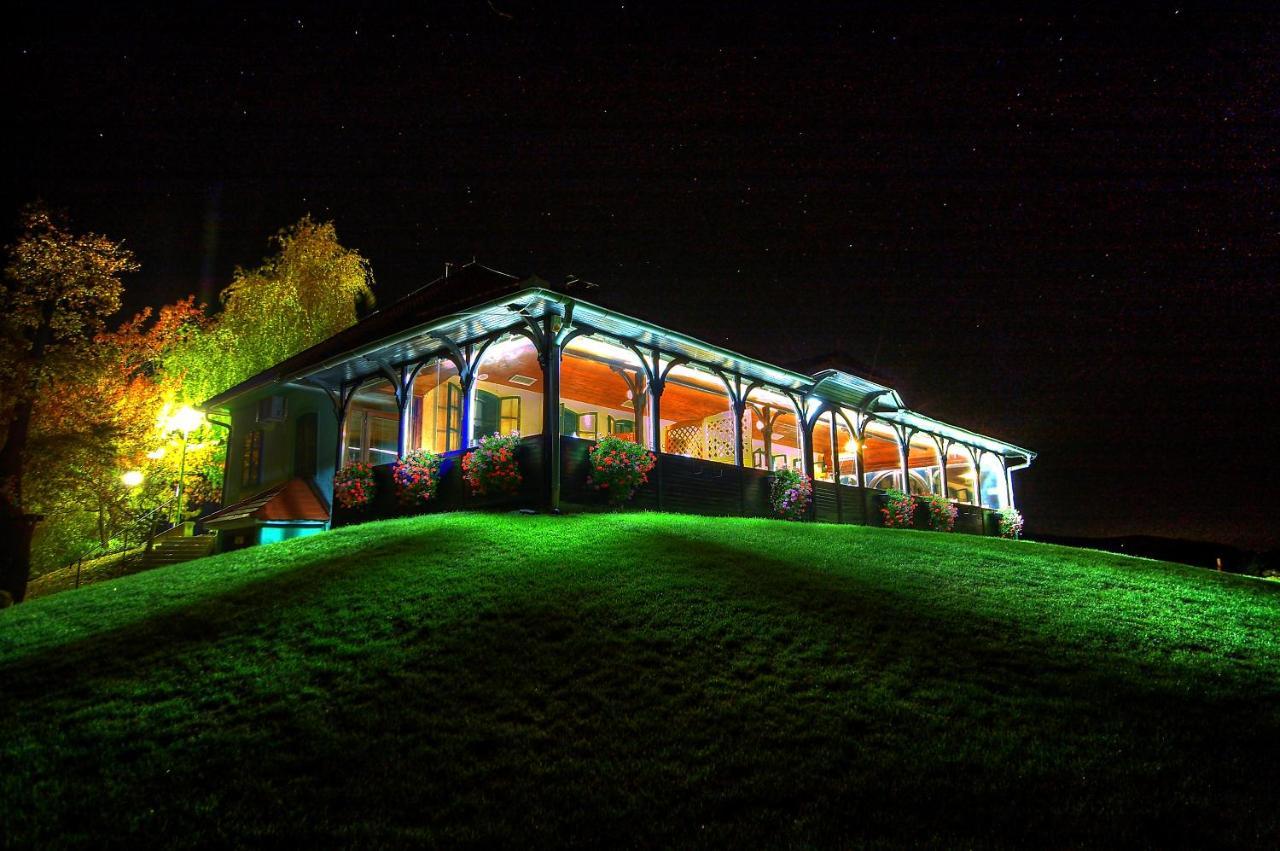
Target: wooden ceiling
590 382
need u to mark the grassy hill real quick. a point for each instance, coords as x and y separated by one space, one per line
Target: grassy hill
646 680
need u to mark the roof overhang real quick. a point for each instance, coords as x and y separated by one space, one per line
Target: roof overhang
511 310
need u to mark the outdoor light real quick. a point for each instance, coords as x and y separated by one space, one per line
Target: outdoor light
132 478
186 420
156 454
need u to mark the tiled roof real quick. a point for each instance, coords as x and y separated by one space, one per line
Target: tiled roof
294 500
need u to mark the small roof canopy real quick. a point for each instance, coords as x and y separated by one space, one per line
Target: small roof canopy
295 501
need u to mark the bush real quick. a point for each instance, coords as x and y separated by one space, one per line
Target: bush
491 468
417 476
790 494
899 509
942 512
1011 523
619 467
353 486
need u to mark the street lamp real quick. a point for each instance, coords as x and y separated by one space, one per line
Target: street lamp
132 478
185 420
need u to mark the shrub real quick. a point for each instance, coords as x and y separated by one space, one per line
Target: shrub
942 512
491 468
618 467
790 494
1010 523
353 486
899 509
417 476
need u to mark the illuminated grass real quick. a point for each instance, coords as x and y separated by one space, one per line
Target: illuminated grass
650 680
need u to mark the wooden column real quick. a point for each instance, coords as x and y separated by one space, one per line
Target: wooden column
657 380
806 429
550 359
942 466
835 463
904 450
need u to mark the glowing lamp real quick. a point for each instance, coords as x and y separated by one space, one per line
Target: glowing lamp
156 454
132 478
185 420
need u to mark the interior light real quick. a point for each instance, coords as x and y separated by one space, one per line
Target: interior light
484 376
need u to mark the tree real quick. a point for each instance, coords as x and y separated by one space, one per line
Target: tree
60 288
310 289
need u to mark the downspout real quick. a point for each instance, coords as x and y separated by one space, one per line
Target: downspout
1008 478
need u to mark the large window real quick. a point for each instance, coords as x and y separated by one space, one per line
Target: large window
435 412
697 417
372 426
993 488
602 391
251 459
508 389
924 465
881 460
770 432
962 478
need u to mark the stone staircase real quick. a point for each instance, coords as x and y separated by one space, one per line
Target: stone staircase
175 551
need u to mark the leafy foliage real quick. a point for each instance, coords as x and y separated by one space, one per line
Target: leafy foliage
619 467
307 291
942 512
790 494
492 467
354 486
899 509
417 476
60 287
1011 523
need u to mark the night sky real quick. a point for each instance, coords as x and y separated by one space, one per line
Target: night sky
1061 231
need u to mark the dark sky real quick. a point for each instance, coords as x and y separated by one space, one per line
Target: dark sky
1061 230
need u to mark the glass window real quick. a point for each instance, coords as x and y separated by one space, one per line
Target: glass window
881 460
603 390
371 430
697 417
509 414
508 389
924 465
769 431
993 491
251 458
962 480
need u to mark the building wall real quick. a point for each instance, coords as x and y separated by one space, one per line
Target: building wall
278 442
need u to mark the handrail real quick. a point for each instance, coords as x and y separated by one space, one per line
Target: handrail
124 531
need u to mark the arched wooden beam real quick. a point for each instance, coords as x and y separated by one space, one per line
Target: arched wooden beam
567 335
671 364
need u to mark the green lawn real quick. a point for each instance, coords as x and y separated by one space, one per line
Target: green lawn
645 680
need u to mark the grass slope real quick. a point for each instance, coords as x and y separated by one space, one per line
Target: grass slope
645 680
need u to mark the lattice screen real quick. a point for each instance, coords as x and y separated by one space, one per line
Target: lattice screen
719 437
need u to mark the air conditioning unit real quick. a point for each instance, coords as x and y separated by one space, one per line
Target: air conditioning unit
522 380
271 409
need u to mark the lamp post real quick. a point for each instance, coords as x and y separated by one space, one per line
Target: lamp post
186 420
